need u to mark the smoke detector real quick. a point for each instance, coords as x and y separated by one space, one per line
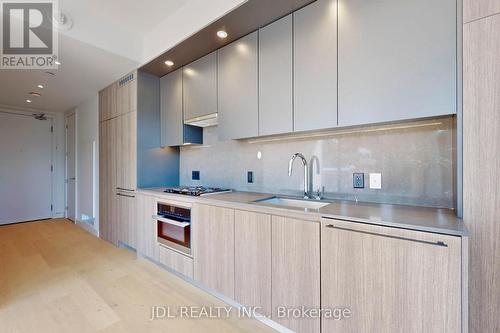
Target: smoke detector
62 21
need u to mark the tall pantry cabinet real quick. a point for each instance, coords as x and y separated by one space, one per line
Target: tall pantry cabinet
130 156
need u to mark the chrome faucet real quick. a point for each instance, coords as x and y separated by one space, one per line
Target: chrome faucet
306 173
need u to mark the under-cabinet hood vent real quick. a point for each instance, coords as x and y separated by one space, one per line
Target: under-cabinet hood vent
203 121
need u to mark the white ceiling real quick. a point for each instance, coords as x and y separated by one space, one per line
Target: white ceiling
106 42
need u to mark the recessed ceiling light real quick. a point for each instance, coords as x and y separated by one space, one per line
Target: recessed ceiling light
169 63
28 101
221 34
40 86
57 63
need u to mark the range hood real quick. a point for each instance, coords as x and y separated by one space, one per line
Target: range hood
203 121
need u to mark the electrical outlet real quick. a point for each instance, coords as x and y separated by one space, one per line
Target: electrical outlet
250 177
195 175
376 181
358 180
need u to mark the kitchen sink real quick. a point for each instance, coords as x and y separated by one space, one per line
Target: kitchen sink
293 203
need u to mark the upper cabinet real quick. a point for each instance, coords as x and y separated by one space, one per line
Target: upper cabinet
171 109
126 92
107 103
397 60
276 78
173 130
200 88
315 66
238 89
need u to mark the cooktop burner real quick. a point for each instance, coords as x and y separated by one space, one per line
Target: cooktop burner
195 190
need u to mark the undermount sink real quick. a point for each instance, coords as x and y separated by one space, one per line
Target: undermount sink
293 203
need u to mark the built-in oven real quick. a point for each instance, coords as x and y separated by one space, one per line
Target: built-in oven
174 226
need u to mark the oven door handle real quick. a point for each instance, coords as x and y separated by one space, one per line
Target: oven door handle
172 222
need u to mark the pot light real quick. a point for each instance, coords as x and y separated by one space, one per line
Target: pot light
40 86
28 101
221 34
169 63
57 63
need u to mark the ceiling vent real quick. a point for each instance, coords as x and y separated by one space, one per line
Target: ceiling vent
39 116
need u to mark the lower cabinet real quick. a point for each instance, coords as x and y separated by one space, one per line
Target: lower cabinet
391 280
175 261
126 223
295 272
213 247
147 244
252 234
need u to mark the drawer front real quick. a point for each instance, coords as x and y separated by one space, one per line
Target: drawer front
176 261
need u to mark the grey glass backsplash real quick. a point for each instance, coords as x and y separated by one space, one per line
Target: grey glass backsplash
416 160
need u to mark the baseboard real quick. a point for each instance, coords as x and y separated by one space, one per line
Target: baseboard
87 227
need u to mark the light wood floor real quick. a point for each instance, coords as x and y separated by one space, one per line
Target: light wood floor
56 277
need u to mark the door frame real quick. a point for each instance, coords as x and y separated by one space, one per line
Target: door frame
66 180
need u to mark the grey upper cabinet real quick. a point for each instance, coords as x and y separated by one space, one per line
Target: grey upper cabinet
276 78
238 89
173 130
397 60
315 66
171 109
200 87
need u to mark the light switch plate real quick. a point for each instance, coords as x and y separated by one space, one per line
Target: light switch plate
376 181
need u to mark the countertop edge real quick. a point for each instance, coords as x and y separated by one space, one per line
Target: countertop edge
315 217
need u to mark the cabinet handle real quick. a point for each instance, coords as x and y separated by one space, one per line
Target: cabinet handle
124 189
437 243
125 195
172 222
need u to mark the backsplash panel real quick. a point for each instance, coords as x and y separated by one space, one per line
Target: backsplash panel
416 160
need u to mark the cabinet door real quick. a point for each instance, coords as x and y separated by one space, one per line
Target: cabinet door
295 271
171 109
315 66
146 227
252 233
126 222
126 94
200 87
127 155
238 89
397 60
213 247
392 280
114 174
103 105
275 78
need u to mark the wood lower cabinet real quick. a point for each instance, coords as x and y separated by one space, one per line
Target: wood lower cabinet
252 234
295 271
391 280
175 261
213 247
126 222
147 244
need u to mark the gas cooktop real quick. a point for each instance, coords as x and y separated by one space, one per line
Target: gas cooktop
195 190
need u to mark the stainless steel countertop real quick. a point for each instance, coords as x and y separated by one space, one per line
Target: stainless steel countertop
427 219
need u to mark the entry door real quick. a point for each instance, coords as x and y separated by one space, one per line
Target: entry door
25 168
71 167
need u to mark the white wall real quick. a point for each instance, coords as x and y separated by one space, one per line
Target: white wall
87 162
